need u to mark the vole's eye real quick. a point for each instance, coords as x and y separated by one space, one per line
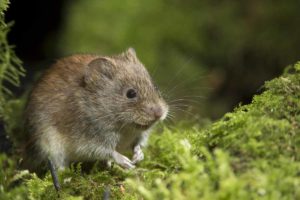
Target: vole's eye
131 93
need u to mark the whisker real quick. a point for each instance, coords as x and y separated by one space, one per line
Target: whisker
184 100
185 111
182 84
179 71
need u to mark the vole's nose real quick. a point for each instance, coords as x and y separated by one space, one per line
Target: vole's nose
156 111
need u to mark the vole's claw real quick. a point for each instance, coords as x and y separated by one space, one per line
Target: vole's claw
123 161
128 165
138 154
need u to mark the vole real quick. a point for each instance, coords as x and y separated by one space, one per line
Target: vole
91 107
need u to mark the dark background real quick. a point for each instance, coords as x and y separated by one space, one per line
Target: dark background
215 53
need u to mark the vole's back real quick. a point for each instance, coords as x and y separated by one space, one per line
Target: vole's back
59 82
63 76
51 99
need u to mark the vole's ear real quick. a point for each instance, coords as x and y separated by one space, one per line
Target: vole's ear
131 51
98 69
130 54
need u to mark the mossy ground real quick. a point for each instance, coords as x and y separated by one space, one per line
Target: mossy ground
251 153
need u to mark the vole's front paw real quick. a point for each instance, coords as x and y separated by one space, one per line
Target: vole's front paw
123 161
138 154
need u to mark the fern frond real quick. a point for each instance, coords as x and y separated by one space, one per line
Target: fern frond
10 65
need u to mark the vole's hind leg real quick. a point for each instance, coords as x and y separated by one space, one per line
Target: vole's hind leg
52 146
59 161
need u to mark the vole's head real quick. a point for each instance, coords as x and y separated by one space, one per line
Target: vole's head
123 91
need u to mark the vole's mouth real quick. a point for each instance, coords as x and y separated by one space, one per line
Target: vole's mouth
142 126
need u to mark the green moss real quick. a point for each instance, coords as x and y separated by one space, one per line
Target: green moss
251 153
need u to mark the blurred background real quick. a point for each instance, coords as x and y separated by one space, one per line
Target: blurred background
213 54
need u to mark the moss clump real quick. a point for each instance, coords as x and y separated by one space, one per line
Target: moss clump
251 153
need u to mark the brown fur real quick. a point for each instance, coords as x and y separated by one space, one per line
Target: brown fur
79 111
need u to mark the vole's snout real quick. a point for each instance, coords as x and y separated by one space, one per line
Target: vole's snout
156 111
